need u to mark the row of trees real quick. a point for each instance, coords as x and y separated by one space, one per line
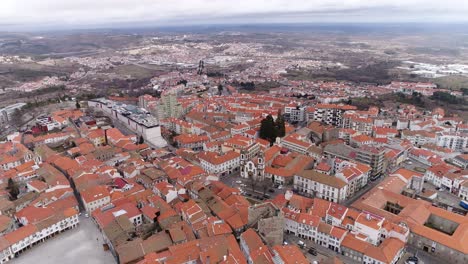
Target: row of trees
270 129
464 91
447 97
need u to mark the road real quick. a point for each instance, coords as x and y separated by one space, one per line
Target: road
424 257
444 196
323 253
370 185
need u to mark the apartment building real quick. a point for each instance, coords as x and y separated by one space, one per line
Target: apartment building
360 124
456 141
220 164
315 184
297 143
330 114
95 197
355 174
419 137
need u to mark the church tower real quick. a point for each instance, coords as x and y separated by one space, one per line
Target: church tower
261 166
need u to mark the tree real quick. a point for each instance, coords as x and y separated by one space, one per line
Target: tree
16 118
268 129
253 181
265 185
13 189
184 82
141 140
446 97
220 89
464 91
280 126
78 106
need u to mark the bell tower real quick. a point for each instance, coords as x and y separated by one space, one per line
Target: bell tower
243 162
261 165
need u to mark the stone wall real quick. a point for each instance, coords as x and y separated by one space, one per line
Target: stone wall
271 230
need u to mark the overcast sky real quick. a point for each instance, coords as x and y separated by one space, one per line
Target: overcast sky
95 13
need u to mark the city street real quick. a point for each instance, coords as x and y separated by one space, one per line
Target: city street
322 252
444 196
424 257
370 185
77 246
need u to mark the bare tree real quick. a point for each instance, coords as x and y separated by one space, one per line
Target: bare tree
16 118
265 184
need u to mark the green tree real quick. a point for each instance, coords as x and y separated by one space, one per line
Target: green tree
464 91
13 189
141 140
446 97
184 82
280 126
268 129
78 106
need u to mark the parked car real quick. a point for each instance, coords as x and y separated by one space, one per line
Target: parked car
312 251
412 260
301 244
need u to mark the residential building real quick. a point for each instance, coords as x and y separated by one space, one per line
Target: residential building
315 184
220 164
95 197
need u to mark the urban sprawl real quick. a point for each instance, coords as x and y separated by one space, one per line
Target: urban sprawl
205 173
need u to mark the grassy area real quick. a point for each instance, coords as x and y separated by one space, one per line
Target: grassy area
419 169
377 72
452 82
135 71
393 99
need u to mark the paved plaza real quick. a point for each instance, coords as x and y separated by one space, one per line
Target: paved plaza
77 246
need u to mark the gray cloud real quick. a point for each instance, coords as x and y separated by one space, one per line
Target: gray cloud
72 13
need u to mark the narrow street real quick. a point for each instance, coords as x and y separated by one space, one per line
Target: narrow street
370 185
